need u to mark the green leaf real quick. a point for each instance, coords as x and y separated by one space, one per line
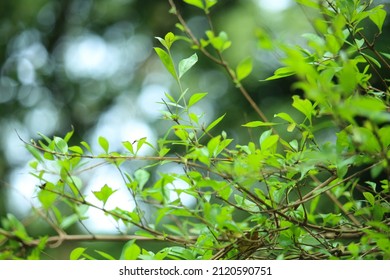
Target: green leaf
34 152
141 142
144 233
196 3
104 193
210 3
281 73
244 68
214 123
304 106
104 143
288 118
309 3
259 123
370 198
68 135
47 198
269 142
130 251
128 146
167 61
142 177
105 255
384 135
195 98
378 16
186 64
220 42
61 144
76 149
76 253
86 145
169 39
69 220
212 145
163 151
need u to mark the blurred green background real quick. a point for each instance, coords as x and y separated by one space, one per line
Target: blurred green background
90 64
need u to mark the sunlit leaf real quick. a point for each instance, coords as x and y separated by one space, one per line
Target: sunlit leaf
281 73
195 98
103 143
214 123
243 69
104 193
167 61
77 253
304 106
196 3
258 124
378 16
186 64
105 255
130 251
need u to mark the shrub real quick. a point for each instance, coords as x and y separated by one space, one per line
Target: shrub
289 194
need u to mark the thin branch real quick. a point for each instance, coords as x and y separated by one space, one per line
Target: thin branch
219 61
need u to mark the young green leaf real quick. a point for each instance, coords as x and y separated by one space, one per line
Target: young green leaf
370 198
244 68
259 123
61 144
47 198
304 106
105 255
196 3
167 61
77 253
169 39
281 73
142 177
76 149
86 145
210 3
186 64
130 251
195 98
214 123
34 152
128 146
104 194
288 118
378 16
104 143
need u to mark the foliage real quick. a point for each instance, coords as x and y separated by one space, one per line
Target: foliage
289 194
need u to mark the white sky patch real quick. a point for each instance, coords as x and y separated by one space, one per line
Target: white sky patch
274 5
121 198
91 56
150 100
